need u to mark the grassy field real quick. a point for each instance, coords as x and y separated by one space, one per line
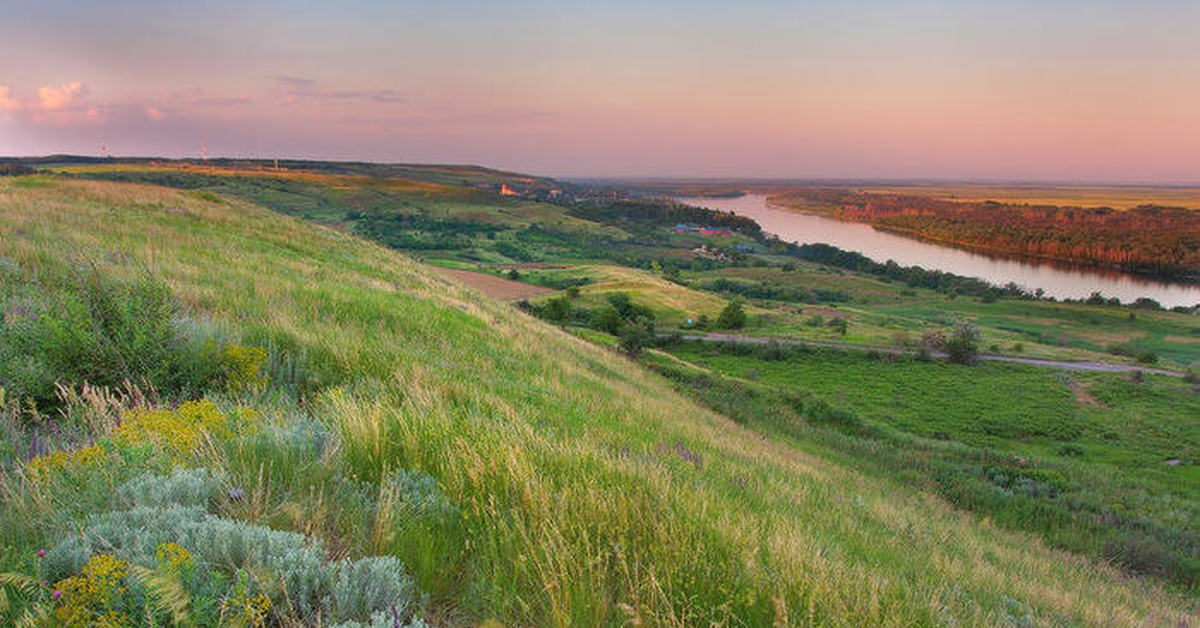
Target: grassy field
1098 463
1114 196
889 314
576 487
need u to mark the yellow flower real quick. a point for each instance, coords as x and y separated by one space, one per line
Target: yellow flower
88 598
60 461
173 555
180 429
250 610
243 366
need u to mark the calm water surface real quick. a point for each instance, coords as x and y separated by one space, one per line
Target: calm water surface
1056 280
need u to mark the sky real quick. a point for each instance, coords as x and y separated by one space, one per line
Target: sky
1097 90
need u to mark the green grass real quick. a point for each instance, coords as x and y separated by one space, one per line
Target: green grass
590 492
1101 440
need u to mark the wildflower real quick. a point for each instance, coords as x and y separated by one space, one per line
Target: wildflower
182 428
235 493
91 597
60 461
173 556
41 553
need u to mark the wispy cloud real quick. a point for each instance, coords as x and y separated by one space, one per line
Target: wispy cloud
296 89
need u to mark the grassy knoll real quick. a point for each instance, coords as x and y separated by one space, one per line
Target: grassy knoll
671 303
1087 460
514 470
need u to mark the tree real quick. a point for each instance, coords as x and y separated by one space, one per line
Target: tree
557 310
635 336
963 344
732 317
607 319
514 274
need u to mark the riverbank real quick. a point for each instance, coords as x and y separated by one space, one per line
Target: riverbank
1060 283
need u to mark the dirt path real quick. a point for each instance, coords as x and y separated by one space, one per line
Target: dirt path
1106 367
493 286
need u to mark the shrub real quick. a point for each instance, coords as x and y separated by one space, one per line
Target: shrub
104 331
636 336
183 487
963 344
732 317
287 569
933 340
607 319
557 310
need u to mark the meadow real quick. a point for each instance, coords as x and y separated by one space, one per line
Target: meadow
407 450
1091 462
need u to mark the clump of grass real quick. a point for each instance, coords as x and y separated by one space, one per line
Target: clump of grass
94 329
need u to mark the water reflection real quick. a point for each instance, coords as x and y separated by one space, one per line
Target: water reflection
1055 279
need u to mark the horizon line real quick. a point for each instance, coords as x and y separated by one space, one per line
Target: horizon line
652 178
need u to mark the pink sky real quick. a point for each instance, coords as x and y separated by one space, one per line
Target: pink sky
1076 90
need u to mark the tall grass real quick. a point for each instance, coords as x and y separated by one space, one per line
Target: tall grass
575 488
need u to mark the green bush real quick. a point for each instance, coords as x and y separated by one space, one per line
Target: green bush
732 317
101 330
636 336
183 487
962 346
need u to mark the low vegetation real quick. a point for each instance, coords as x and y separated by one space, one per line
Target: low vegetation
1061 458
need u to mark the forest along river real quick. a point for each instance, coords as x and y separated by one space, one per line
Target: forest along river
1056 280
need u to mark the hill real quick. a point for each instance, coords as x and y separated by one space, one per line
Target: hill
515 471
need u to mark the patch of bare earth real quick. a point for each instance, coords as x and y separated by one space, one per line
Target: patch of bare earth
493 286
1082 396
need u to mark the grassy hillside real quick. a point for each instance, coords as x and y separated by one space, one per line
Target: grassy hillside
571 486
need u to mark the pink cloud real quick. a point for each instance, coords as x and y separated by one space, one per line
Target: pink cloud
50 97
7 102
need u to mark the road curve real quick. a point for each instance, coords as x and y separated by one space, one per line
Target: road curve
1105 367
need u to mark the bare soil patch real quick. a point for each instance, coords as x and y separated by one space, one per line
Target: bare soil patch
493 286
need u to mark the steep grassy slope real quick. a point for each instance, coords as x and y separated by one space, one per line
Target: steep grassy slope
587 491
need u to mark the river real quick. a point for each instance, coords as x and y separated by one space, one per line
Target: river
1056 280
